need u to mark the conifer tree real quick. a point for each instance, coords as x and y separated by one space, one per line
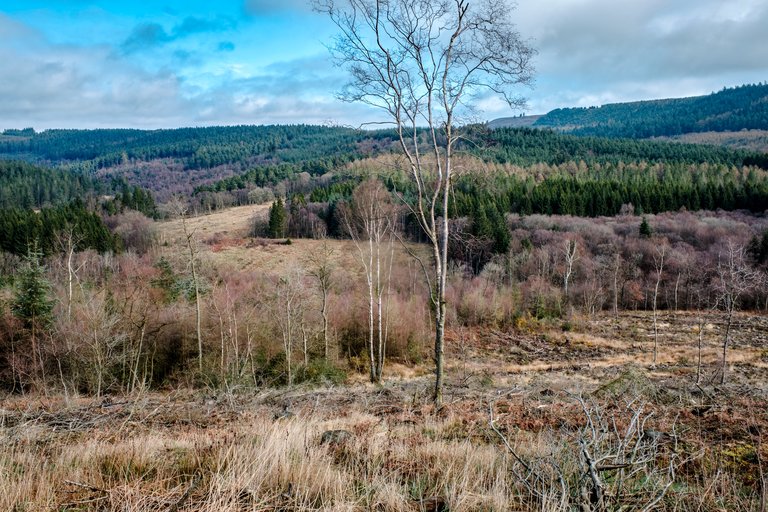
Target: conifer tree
645 229
32 303
277 219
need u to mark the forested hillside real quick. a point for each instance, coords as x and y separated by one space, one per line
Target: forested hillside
508 170
195 147
171 162
739 108
23 185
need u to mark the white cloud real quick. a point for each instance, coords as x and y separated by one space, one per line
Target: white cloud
590 52
597 50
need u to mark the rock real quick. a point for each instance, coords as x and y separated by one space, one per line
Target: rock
336 437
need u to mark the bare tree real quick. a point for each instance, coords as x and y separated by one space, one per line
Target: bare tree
320 267
570 251
67 241
290 305
616 269
369 218
423 62
734 279
658 265
179 208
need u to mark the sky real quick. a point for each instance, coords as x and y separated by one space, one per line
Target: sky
172 63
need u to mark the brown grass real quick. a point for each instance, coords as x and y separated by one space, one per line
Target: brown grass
234 222
186 451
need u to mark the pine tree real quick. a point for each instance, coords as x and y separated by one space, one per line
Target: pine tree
645 229
32 303
277 219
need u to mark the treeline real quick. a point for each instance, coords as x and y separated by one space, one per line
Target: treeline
24 185
595 159
569 189
131 198
46 229
602 191
528 146
40 207
266 175
197 148
732 109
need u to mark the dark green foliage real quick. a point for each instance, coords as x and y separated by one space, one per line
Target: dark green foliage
528 146
336 191
23 185
320 371
271 371
278 221
32 303
744 107
167 281
264 175
133 198
26 132
197 148
20 228
602 190
645 228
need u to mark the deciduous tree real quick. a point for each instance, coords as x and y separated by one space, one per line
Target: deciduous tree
422 62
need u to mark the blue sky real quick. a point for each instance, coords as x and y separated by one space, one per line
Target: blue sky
149 64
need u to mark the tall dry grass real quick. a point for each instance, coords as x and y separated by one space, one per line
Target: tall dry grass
171 455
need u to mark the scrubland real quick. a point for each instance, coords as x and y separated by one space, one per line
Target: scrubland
552 402
522 406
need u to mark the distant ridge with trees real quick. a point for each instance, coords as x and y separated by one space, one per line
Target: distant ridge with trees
733 109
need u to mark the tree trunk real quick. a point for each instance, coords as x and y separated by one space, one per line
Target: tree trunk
324 313
198 328
70 279
196 284
701 340
379 327
288 341
441 263
616 268
726 341
659 269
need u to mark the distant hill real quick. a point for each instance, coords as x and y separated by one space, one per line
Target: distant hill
177 160
728 111
513 122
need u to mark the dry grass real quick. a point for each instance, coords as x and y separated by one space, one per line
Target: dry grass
256 463
233 222
225 237
186 451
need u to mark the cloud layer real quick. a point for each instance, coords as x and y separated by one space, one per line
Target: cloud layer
597 51
263 61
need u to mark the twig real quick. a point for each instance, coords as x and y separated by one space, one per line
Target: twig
86 486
